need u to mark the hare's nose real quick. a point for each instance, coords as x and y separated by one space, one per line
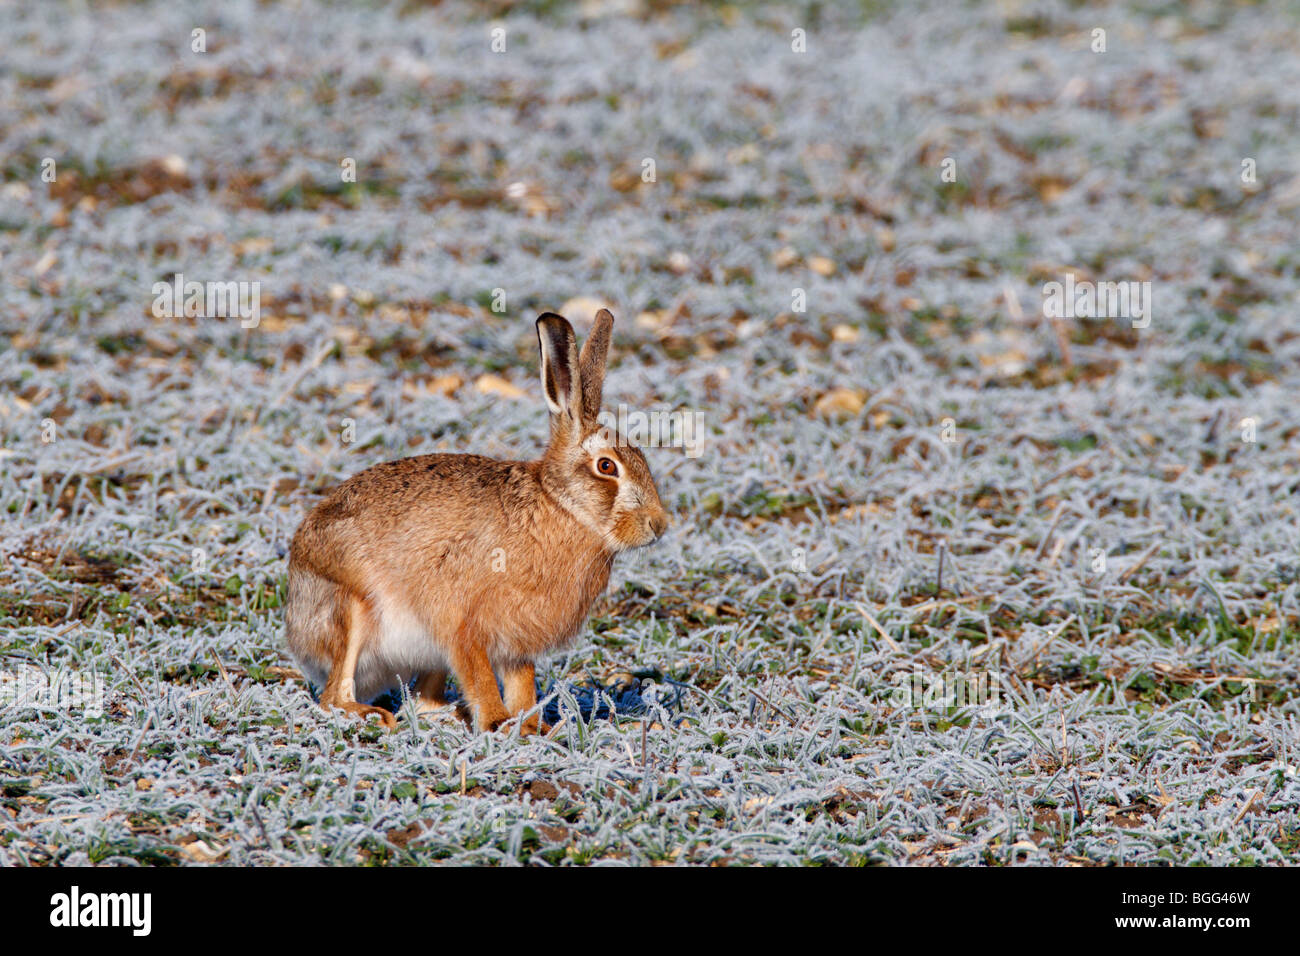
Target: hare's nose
659 523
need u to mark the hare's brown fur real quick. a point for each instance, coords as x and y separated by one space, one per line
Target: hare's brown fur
467 564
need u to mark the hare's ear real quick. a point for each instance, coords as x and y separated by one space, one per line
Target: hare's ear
592 363
561 380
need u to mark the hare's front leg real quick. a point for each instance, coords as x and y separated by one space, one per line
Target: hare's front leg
521 695
474 674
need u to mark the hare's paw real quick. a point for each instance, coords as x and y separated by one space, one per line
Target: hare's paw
527 725
488 724
426 708
364 711
535 725
464 713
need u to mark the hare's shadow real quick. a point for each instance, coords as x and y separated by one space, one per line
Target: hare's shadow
594 700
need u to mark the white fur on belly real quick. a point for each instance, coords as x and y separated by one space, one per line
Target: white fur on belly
403 648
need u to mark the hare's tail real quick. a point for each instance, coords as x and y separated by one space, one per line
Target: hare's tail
315 623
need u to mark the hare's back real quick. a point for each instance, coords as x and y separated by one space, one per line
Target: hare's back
447 482
415 499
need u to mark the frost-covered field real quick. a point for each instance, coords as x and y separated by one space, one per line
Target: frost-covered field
909 474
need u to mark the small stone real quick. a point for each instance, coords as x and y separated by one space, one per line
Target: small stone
785 257
840 403
821 265
446 384
496 385
173 165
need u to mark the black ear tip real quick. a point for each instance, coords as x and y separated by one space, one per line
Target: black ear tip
554 327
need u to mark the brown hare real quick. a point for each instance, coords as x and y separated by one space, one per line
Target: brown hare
457 563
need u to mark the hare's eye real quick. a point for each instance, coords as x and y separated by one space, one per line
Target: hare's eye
606 466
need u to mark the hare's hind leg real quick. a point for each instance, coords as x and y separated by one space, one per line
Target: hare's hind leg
341 688
431 690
